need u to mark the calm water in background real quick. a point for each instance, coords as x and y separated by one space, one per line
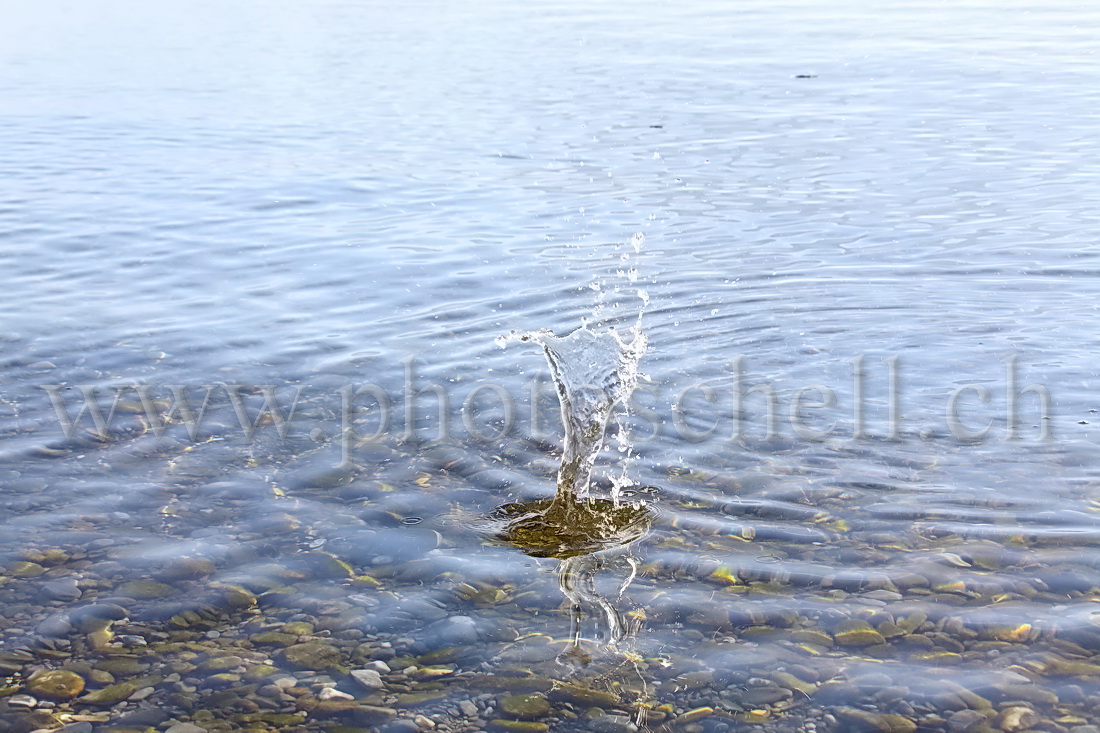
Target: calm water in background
307 195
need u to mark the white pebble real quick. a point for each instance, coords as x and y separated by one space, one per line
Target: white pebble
331 693
141 694
368 678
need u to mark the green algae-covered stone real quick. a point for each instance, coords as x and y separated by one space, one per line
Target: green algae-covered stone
298 628
371 715
274 638
236 598
315 656
812 636
1074 667
518 726
110 695
121 666
260 671
912 622
890 630
188 568
859 637
326 565
583 695
280 719
21 569
532 705
886 723
50 557
446 655
221 664
790 682
223 679
693 715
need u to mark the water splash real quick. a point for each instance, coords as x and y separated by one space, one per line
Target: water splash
593 372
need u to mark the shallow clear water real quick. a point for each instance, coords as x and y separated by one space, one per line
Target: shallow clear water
330 194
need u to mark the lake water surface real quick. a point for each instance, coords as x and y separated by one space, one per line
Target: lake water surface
881 217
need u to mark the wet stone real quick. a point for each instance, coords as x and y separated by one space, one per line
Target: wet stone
22 569
260 671
583 695
764 695
61 590
81 727
146 590
368 678
57 684
1074 667
612 724
186 568
315 656
693 716
110 695
862 720
1033 694
331 693
859 637
1017 719
122 666
325 565
812 636
965 721
222 679
532 705
185 728
142 718
221 664
517 726
371 715
789 681
274 638
298 628
327 708
416 699
98 611
454 631
54 626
